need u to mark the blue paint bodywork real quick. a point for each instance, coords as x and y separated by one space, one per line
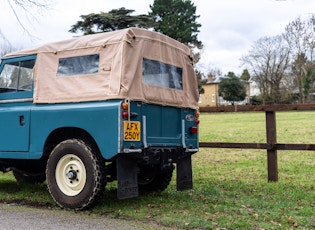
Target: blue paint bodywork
84 115
99 119
25 126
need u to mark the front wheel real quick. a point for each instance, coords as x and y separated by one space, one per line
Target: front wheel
75 174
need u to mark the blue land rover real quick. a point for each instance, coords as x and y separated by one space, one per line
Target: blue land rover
112 106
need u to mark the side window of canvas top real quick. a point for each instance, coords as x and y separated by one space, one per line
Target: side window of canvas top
160 74
80 65
17 76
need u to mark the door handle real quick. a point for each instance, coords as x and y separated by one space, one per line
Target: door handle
22 120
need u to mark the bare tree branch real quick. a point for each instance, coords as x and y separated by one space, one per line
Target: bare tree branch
26 6
268 60
18 19
5 45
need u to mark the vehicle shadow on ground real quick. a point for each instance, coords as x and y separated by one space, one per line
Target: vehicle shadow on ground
37 195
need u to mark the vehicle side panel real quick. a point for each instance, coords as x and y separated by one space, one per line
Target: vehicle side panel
99 119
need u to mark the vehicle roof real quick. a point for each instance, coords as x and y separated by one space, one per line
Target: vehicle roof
120 69
101 39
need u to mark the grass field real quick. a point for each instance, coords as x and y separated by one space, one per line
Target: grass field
230 185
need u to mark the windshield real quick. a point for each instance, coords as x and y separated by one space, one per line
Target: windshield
17 76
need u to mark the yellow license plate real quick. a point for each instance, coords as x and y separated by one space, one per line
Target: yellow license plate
132 131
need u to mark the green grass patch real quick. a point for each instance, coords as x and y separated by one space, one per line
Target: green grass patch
230 185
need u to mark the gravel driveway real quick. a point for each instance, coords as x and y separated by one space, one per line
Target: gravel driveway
21 217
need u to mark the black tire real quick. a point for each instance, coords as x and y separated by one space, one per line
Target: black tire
152 179
75 175
29 178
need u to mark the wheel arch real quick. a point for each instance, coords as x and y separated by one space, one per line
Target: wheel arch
64 133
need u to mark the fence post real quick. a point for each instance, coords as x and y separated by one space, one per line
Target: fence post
271 132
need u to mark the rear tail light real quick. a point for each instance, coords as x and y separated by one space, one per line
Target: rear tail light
126 114
193 130
125 105
125 109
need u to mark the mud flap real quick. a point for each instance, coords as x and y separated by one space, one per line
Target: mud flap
127 177
184 174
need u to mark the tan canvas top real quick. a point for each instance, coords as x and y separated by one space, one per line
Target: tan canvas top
119 72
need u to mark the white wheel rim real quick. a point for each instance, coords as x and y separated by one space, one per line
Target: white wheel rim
70 175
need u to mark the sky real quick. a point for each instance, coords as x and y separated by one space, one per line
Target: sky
229 27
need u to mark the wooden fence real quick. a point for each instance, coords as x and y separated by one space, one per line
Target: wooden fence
271 133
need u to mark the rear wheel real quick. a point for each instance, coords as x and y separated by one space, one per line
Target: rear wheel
75 174
152 179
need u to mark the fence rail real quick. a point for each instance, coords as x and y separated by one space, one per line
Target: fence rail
258 108
278 146
271 133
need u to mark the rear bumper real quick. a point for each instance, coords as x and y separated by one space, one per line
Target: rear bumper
158 155
128 150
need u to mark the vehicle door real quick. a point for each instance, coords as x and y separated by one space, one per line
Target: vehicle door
16 96
165 125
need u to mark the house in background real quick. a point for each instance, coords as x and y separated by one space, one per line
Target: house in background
211 97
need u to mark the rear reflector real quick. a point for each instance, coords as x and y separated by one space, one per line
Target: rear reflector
124 115
193 129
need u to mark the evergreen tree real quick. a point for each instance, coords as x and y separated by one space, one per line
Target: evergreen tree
174 18
177 19
113 20
245 75
200 81
232 88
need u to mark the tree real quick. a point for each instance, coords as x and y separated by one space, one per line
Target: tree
232 89
26 5
300 35
201 81
245 75
284 64
256 100
5 45
303 73
269 62
174 18
177 19
113 20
